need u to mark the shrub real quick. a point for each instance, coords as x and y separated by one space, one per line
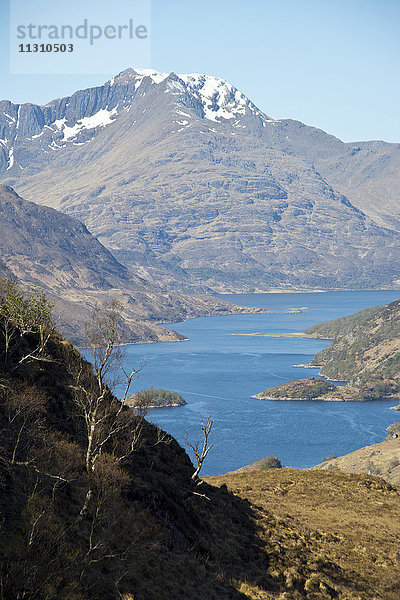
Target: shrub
270 462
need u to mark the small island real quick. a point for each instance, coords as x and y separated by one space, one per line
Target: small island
311 388
152 398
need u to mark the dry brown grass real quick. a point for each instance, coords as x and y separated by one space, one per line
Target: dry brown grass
381 459
350 521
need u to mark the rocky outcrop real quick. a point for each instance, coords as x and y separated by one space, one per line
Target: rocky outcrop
269 462
310 388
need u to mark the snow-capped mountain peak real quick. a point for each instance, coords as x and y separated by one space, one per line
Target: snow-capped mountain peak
220 99
78 119
138 74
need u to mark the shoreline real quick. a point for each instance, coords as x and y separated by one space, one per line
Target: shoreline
294 334
307 291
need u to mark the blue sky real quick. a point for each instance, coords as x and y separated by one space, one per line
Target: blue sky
333 64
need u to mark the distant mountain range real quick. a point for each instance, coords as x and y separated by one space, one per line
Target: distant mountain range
185 180
47 250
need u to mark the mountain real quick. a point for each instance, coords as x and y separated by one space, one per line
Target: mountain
148 531
55 253
184 179
367 173
364 353
65 253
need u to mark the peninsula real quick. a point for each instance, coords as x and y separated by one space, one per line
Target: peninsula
365 352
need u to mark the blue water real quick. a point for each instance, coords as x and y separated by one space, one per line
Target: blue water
217 373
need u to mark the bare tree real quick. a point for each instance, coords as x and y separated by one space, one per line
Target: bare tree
110 427
201 454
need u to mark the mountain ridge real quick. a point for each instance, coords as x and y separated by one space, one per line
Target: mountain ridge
48 250
167 171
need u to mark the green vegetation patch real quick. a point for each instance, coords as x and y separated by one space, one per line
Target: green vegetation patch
270 462
155 399
307 389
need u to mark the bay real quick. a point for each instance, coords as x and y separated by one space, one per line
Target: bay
217 372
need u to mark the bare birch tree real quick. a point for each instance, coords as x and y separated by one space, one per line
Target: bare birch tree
200 454
110 426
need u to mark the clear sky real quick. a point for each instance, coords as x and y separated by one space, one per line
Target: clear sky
334 64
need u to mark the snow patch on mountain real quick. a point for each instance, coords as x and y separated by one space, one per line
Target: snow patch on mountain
138 74
184 114
219 98
9 117
175 87
102 118
156 76
60 123
11 159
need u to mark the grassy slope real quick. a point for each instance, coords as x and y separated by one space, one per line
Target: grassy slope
379 459
346 521
342 325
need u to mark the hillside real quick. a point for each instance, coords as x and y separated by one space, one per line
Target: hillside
185 180
382 459
364 353
97 503
349 520
53 252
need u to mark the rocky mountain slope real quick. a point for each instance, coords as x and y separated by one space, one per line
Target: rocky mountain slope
367 173
55 253
183 178
146 530
365 352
